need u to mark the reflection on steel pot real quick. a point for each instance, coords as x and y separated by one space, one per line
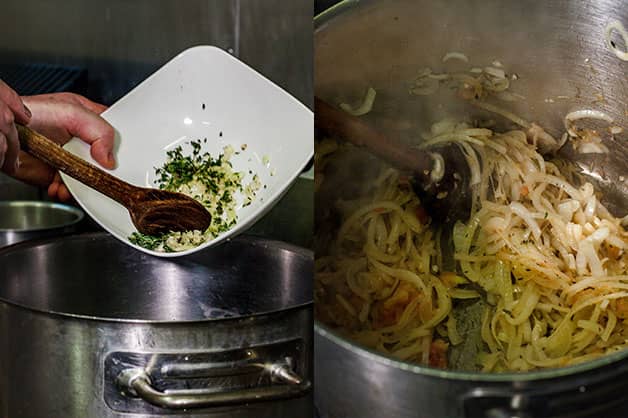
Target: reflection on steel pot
24 220
93 328
557 50
375 386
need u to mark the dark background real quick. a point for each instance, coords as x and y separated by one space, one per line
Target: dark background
321 5
120 42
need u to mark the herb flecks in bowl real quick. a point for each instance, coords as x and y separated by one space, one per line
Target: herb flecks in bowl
210 180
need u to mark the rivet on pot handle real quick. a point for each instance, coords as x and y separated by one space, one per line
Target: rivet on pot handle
138 383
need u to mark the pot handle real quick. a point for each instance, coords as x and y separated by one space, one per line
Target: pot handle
562 397
137 382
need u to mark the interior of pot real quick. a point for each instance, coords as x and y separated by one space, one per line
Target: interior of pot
36 216
556 50
97 276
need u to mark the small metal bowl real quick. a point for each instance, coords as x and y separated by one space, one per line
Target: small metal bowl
25 220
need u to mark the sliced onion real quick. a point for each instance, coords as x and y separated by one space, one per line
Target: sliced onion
544 141
615 130
508 115
527 217
495 224
508 96
599 235
439 77
558 182
474 163
584 114
455 55
588 251
495 72
592 148
365 107
581 260
566 209
589 208
497 85
438 167
616 25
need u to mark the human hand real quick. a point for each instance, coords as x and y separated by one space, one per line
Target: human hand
61 116
12 110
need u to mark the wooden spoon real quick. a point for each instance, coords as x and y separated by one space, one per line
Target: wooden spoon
440 174
152 211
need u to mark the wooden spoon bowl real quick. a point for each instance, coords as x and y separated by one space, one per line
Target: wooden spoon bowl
443 187
155 212
152 211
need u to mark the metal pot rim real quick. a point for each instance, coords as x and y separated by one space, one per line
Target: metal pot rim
544 374
157 322
78 214
243 237
333 11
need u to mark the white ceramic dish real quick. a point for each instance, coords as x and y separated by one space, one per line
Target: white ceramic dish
204 92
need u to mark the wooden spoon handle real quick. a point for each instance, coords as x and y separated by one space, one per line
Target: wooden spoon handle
350 128
52 153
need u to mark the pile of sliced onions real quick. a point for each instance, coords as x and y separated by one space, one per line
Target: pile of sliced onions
557 242
474 83
477 84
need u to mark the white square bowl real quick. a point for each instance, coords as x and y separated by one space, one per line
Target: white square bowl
204 92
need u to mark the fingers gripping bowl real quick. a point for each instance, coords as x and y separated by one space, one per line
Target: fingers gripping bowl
206 97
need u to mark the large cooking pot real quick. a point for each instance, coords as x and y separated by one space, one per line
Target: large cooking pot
24 220
92 328
558 51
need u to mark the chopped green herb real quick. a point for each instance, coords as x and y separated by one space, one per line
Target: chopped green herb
209 180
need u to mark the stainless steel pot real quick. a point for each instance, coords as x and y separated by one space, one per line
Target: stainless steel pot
557 49
24 220
92 328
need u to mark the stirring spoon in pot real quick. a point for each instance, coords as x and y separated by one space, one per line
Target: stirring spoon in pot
152 211
440 174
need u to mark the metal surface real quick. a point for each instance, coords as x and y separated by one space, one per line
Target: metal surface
29 79
352 382
558 51
121 42
25 220
100 277
110 299
281 48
